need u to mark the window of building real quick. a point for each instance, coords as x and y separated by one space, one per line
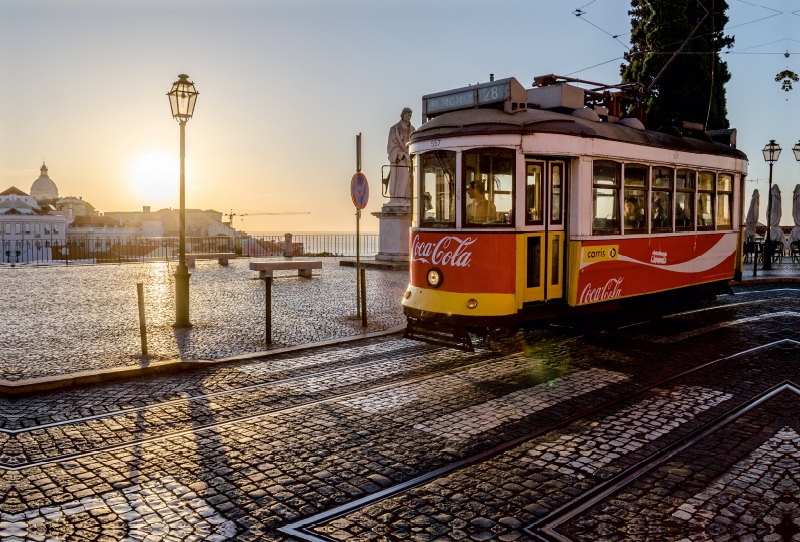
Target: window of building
724 201
47 229
55 229
18 228
635 203
662 199
705 200
534 186
438 197
489 187
8 228
605 198
36 230
27 229
684 200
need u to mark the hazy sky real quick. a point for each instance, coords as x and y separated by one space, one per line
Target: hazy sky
286 85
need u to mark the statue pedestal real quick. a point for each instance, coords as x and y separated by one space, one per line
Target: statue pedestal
395 221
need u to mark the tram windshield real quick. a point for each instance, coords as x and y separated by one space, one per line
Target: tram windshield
489 187
438 189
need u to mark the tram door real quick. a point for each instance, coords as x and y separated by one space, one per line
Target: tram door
540 250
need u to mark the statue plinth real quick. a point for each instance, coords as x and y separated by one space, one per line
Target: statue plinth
395 221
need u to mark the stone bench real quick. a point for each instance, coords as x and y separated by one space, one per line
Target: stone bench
265 269
222 257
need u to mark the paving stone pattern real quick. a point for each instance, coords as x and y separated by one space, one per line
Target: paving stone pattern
344 428
69 319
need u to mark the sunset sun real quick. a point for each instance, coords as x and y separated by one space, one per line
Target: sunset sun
155 176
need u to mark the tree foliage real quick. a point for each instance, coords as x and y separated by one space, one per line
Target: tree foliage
692 88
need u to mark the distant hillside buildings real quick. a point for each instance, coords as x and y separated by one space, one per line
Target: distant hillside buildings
33 224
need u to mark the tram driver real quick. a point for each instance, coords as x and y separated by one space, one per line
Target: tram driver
479 209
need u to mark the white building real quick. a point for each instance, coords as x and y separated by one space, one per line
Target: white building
25 233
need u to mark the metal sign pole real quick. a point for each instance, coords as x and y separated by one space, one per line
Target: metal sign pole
358 234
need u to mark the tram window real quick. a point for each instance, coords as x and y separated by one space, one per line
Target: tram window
605 198
662 199
438 195
635 198
684 200
724 198
556 185
705 200
706 181
489 187
534 184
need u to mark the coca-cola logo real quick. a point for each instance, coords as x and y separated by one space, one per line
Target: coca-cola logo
449 250
611 290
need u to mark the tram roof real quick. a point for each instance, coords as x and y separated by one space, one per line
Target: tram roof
493 121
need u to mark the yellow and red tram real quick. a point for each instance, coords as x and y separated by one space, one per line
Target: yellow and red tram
538 203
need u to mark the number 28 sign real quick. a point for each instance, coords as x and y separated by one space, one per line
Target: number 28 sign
359 190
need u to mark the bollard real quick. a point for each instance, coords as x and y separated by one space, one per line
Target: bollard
755 258
268 307
363 297
287 246
142 327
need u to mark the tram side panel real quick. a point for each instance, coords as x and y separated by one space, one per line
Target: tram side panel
471 266
609 269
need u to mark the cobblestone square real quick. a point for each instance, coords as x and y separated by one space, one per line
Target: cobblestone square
633 426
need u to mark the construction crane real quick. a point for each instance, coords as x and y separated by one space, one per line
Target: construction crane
232 214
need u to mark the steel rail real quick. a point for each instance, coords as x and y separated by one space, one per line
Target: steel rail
240 419
181 400
302 529
545 528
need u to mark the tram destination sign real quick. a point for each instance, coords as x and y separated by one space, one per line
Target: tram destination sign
508 92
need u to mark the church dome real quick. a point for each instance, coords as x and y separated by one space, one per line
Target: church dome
44 187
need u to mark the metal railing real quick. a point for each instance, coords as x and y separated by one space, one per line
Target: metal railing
118 250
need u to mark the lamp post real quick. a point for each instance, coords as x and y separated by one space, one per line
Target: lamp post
182 98
796 150
771 153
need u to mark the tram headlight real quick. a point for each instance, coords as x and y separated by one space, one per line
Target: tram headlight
434 278
472 303
407 295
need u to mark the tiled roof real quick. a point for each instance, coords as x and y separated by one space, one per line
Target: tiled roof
13 191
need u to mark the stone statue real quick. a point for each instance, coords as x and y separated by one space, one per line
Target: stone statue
399 175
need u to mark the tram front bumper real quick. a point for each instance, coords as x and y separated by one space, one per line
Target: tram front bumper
453 308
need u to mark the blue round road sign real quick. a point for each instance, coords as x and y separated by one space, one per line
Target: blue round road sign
359 190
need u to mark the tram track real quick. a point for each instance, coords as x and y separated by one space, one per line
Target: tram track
235 419
304 528
545 529
251 417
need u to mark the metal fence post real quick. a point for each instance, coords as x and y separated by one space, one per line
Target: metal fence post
363 297
142 327
268 308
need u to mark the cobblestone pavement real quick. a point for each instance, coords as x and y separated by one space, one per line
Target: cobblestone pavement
624 427
60 320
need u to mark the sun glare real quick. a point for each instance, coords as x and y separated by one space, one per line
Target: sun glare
155 177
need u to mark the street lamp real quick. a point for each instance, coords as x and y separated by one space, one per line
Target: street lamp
182 98
771 153
796 150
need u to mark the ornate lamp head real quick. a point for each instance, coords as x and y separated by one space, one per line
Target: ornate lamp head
182 98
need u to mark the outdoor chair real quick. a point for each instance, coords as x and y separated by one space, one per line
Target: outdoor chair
795 251
750 248
777 251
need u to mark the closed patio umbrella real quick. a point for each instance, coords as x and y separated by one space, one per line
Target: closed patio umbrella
752 216
775 231
795 236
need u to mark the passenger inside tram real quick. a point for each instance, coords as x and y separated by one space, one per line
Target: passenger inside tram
479 209
661 208
634 217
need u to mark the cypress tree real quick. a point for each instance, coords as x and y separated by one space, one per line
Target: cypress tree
692 88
